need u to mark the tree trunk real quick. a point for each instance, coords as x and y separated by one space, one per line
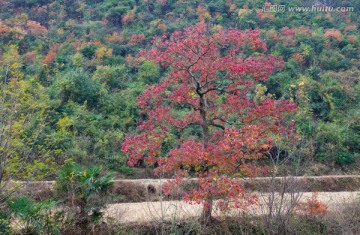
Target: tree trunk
205 218
207 210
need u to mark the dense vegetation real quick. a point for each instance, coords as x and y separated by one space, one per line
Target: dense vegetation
81 55
70 77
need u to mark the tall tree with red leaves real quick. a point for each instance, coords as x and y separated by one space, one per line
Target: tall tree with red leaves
212 74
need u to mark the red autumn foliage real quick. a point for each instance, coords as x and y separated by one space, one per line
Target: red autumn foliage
136 38
312 206
131 60
264 15
202 13
352 38
272 34
287 32
4 28
304 30
349 28
128 17
35 28
51 55
299 58
162 27
209 82
30 57
49 58
333 33
289 41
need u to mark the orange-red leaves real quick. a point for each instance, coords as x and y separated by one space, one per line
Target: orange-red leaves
312 206
206 95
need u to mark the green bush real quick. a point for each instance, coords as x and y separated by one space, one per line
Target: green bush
344 158
331 141
88 51
333 60
4 223
149 73
34 217
76 85
115 77
84 190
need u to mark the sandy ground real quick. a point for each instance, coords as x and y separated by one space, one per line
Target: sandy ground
171 210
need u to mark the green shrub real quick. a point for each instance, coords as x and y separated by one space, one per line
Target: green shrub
149 73
4 223
76 85
88 51
331 141
34 217
84 190
344 157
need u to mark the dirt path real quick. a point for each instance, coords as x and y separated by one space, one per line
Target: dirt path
169 210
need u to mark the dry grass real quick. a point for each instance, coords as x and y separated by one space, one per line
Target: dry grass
142 190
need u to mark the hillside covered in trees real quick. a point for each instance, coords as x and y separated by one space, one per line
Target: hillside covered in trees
80 59
79 77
